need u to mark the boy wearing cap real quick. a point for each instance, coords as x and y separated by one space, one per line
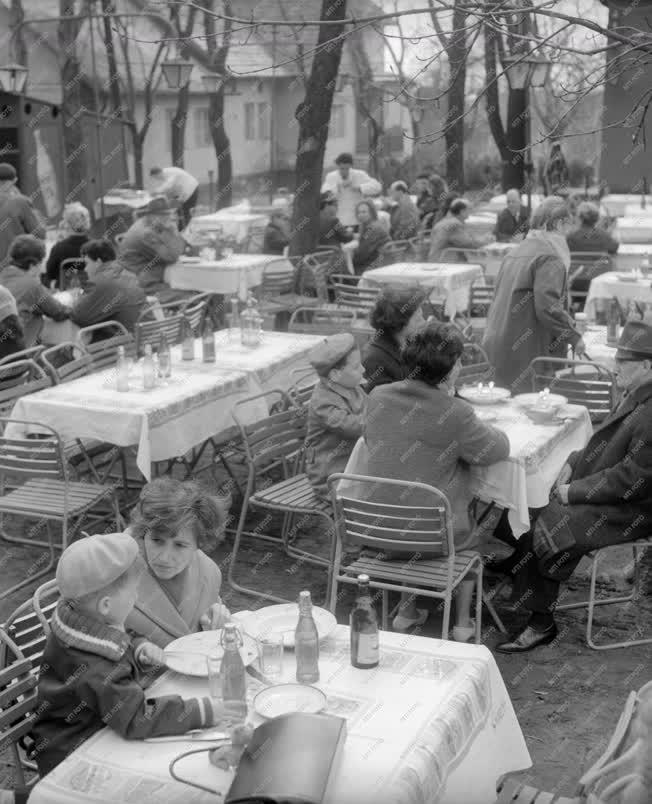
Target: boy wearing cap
91 674
337 409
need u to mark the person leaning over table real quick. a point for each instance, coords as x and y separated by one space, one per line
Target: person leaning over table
76 222
179 592
404 216
529 315
17 212
418 430
602 496
395 316
337 409
512 222
113 294
450 232
21 278
93 674
371 238
180 187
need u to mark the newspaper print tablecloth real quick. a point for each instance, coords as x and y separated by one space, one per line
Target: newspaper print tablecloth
450 281
606 286
433 723
236 274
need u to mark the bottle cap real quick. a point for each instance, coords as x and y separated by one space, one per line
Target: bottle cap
363 579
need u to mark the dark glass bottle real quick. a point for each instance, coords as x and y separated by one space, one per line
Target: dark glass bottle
306 643
187 341
208 341
365 652
613 319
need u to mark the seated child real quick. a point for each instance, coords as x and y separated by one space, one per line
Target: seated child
91 671
337 408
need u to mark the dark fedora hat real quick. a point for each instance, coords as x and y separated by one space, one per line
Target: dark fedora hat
7 172
159 205
635 342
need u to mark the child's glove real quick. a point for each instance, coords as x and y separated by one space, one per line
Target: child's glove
216 616
149 655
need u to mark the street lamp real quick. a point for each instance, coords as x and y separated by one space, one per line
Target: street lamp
524 71
176 72
13 78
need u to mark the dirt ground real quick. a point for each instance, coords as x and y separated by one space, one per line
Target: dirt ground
567 697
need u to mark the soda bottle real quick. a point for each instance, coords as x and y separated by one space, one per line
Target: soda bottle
187 341
208 341
164 357
306 643
149 369
363 623
235 312
613 319
121 371
234 679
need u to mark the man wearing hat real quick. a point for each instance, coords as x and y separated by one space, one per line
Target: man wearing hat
337 408
151 244
602 497
349 185
17 213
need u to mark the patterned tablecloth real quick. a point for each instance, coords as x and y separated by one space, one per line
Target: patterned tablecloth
433 723
595 340
235 274
624 287
169 420
234 224
448 281
536 457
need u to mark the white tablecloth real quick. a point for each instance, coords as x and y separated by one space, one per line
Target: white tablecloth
525 479
631 255
617 204
634 230
595 339
114 204
433 724
450 281
234 224
235 274
608 285
499 202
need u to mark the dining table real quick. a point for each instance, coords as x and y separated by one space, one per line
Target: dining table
631 256
236 274
192 406
536 456
432 723
447 283
621 204
234 223
625 287
634 229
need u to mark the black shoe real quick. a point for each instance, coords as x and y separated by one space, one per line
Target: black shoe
528 639
500 566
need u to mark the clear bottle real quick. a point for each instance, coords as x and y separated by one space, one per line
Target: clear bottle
208 341
149 369
363 622
187 341
306 642
613 320
164 358
235 312
246 323
234 679
122 371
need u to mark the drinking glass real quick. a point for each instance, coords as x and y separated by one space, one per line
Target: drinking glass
214 665
270 653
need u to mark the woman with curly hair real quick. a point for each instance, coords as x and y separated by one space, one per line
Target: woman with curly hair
179 592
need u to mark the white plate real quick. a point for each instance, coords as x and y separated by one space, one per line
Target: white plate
484 397
188 654
285 699
534 400
282 619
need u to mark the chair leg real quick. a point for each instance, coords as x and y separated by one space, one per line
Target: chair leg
384 606
447 614
478 606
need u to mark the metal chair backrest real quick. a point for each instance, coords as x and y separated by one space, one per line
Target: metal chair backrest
475 365
149 329
66 362
279 277
318 267
105 352
19 379
44 602
255 239
419 248
313 321
25 354
480 299
17 699
194 310
584 267
33 457
424 528
582 382
352 296
478 256
29 625
396 251
70 268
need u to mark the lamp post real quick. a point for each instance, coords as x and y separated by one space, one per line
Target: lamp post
524 71
176 72
13 78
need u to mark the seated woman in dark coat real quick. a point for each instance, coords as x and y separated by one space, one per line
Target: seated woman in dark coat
396 315
277 233
76 223
587 238
331 230
372 238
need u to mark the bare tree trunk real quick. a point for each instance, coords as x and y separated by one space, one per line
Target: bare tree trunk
366 99
180 119
313 115
454 137
137 144
107 35
218 56
16 19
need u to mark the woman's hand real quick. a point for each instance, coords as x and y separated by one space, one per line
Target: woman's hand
216 617
150 655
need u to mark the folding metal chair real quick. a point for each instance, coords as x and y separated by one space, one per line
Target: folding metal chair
353 297
20 378
105 352
582 382
25 354
395 251
29 624
584 267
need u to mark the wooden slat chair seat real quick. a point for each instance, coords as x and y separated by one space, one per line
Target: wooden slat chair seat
407 528
475 366
584 267
352 297
276 441
104 353
18 379
582 382
46 493
395 251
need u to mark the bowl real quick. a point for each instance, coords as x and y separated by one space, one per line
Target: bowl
527 401
541 415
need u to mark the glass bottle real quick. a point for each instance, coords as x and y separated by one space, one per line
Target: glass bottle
122 371
234 679
164 358
235 312
208 341
187 341
646 266
149 369
613 319
246 323
365 652
306 642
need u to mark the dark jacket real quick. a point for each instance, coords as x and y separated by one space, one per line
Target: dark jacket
382 361
591 238
373 237
12 339
33 301
146 250
110 299
404 219
67 249
450 232
89 679
428 207
18 216
507 225
529 316
275 239
331 230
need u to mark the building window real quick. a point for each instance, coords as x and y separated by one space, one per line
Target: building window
337 126
264 121
202 128
250 121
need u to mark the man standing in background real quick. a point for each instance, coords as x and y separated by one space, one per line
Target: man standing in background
17 213
349 186
179 186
